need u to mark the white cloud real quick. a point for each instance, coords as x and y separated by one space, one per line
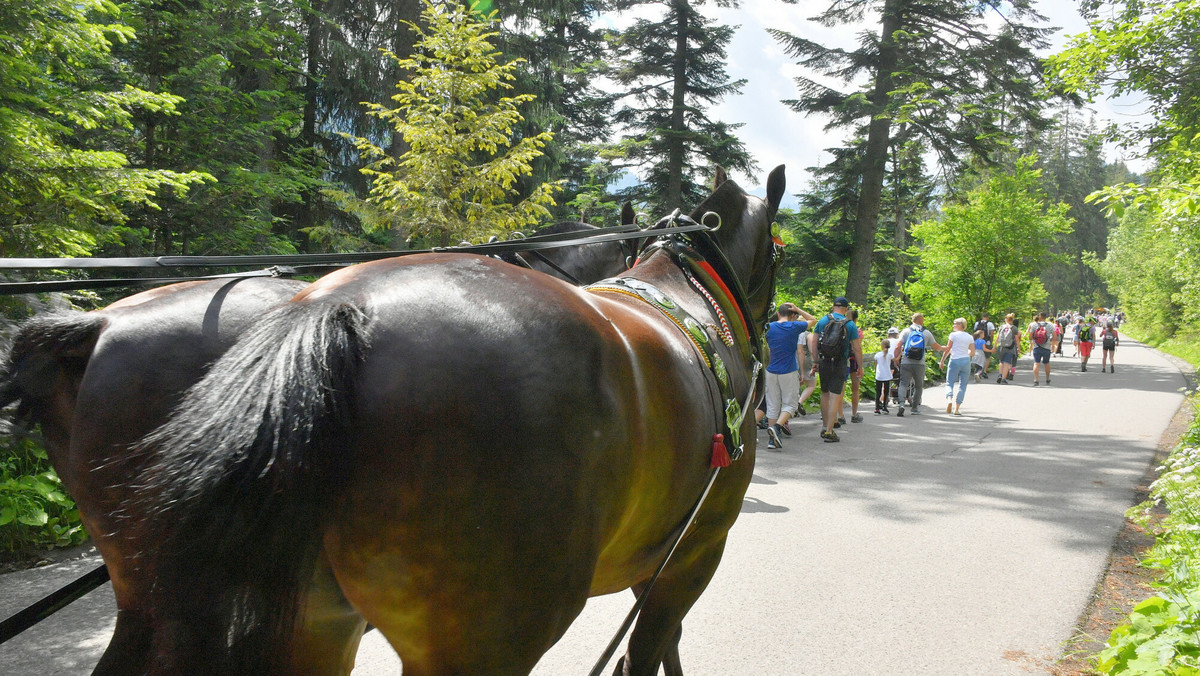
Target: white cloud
776 135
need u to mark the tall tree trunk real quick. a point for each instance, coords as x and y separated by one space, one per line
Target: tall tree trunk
900 236
314 26
405 43
875 159
675 152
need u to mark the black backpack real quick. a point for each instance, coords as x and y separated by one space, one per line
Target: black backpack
832 342
1110 341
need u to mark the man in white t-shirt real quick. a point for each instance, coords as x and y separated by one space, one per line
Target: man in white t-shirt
910 351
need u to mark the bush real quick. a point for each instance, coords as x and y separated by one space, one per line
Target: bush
1161 637
35 512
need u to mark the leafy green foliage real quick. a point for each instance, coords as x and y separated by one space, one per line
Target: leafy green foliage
35 512
1163 633
1146 48
986 253
63 185
937 71
462 164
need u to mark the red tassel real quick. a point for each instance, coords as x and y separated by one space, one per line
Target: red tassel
720 456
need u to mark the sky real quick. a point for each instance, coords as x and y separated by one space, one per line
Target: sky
773 133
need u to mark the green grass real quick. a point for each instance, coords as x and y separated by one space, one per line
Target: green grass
1184 346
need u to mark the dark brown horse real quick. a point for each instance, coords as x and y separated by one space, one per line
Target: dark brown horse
97 382
469 448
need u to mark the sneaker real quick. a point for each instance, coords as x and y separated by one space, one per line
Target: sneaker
949 407
1047 381
800 410
1112 369
824 434
886 411
877 411
999 380
957 411
916 411
787 431
900 412
762 424
831 438
773 440
856 418
1036 383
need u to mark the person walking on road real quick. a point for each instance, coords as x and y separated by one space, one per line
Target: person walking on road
1109 339
1041 336
960 349
783 378
979 360
808 371
883 376
834 340
854 373
1008 345
1085 337
910 350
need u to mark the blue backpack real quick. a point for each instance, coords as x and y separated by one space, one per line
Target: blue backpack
914 347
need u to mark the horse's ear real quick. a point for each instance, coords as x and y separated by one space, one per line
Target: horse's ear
720 178
776 183
628 215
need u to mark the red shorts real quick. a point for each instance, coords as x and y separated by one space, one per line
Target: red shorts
1085 349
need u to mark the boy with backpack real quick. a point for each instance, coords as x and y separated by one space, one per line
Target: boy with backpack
1008 342
1085 338
1041 336
911 347
834 339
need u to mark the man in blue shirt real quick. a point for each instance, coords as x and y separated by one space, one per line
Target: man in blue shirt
833 360
783 376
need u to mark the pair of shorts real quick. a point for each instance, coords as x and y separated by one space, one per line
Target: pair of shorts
1085 348
851 368
833 375
1041 355
1009 357
783 393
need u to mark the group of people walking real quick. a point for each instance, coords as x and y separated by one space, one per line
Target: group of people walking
805 349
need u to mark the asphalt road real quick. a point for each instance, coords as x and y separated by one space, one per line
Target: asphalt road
922 545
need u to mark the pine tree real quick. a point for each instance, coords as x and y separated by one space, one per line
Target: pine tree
564 57
934 66
459 174
675 69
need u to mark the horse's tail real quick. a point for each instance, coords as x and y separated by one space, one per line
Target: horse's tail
240 484
44 350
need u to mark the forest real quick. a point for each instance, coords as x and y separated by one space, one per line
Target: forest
200 127
963 168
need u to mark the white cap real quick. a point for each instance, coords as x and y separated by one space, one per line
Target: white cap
893 330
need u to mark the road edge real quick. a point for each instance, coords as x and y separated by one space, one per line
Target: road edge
1124 582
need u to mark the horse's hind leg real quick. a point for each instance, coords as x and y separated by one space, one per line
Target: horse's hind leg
330 629
129 649
655 638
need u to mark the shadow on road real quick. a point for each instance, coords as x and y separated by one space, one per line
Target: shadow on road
756 506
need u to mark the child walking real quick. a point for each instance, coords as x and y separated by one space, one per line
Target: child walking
883 377
980 359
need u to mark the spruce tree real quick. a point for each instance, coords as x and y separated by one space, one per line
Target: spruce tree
458 176
674 69
564 56
934 66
